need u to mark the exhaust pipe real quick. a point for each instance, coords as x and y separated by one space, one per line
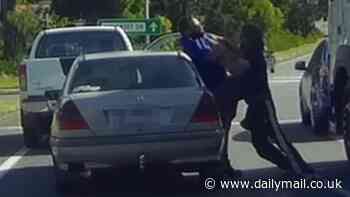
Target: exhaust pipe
142 162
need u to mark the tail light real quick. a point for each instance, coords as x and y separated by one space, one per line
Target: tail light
70 118
206 111
22 72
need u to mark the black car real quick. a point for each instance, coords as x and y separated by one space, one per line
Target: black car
315 102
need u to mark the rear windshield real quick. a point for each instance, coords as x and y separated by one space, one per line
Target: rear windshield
133 73
73 43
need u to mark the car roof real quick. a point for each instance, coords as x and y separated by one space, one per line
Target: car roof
81 29
128 54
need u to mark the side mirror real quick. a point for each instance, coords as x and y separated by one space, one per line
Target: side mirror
53 95
300 66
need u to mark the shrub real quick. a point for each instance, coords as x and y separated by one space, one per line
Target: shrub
8 68
26 25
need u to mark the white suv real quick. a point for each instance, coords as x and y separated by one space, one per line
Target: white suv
44 71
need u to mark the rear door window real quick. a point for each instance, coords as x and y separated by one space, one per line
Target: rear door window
133 73
71 44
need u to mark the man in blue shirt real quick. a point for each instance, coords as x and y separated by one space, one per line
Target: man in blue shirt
200 46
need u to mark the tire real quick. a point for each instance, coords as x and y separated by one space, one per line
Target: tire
340 100
31 137
346 124
320 122
61 181
319 118
61 178
342 118
65 181
305 115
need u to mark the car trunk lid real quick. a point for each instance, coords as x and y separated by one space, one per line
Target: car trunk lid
138 111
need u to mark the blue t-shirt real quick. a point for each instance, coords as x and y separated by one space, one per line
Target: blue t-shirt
199 49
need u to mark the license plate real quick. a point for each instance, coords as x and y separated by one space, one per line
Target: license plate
140 118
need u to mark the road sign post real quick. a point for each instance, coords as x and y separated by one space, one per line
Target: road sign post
148 38
146 27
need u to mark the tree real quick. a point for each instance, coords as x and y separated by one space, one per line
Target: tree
301 15
8 31
90 10
175 10
301 18
133 8
283 5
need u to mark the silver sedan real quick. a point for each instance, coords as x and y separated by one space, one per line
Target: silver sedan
133 108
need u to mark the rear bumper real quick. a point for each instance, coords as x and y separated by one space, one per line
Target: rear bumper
124 151
34 104
35 113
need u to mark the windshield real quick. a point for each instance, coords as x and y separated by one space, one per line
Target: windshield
133 73
73 43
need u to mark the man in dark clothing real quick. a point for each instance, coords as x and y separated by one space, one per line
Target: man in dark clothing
261 116
252 86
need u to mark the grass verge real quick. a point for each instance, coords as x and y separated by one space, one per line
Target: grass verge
296 52
8 107
8 82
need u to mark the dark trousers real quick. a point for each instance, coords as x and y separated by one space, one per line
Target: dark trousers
263 135
227 97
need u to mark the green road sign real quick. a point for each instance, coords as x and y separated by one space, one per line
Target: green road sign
135 26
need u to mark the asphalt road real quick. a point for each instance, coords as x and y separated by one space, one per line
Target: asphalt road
29 173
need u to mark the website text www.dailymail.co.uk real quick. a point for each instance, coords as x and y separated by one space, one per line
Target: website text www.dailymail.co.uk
273 184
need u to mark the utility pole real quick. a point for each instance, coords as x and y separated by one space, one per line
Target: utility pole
148 38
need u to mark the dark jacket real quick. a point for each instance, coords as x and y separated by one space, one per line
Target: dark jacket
256 78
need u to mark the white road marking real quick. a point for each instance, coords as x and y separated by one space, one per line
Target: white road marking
11 162
281 122
10 128
189 174
284 81
286 77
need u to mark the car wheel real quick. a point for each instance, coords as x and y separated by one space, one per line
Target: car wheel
31 137
319 117
346 123
62 180
320 122
66 180
341 95
305 114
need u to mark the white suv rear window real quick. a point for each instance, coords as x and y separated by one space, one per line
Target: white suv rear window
71 44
